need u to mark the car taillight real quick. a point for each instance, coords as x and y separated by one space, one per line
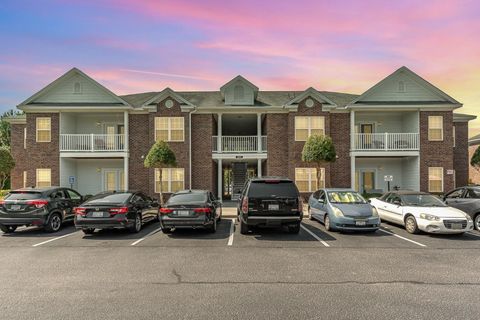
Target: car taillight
165 211
121 210
202 210
245 205
300 204
80 211
37 203
2 202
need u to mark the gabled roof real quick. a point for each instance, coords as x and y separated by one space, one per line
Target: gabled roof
311 92
71 72
445 98
167 92
239 78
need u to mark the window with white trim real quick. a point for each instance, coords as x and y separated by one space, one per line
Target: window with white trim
172 180
435 128
169 129
307 126
435 179
44 129
306 179
44 178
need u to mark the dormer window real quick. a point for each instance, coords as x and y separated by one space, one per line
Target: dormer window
401 86
77 88
238 93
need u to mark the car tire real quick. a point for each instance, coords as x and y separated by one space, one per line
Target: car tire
310 214
326 223
243 227
8 229
88 230
137 224
54 223
167 230
476 222
213 227
411 225
294 229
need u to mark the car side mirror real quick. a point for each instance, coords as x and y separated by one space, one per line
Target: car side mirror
321 201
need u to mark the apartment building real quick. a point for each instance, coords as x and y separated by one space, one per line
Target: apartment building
76 132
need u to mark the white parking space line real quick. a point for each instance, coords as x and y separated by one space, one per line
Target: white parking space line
315 236
232 229
403 238
148 235
57 238
474 234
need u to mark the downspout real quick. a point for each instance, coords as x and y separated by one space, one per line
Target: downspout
190 146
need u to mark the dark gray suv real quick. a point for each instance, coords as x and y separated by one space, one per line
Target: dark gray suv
466 199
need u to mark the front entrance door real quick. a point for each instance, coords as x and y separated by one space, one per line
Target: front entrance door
113 179
366 180
367 130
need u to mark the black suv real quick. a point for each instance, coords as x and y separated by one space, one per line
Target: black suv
43 207
270 201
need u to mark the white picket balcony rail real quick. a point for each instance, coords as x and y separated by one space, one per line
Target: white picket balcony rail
92 142
235 144
386 141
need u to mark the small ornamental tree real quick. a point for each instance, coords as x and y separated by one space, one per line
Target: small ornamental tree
319 149
6 165
475 161
160 156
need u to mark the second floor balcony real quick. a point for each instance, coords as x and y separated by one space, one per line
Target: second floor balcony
239 144
386 142
92 142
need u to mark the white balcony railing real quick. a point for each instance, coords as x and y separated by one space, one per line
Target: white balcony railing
234 144
386 141
92 142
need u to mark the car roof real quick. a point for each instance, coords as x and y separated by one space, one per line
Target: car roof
34 189
407 192
270 178
191 191
338 189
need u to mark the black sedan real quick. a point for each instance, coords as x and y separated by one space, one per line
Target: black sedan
191 209
466 199
43 207
109 210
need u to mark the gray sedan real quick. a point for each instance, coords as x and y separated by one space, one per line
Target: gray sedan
342 209
466 199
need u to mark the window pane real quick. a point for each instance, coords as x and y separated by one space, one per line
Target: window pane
301 134
302 186
435 186
43 177
43 135
164 186
301 174
43 123
435 122
177 186
161 135
435 179
176 135
317 122
177 123
435 134
161 123
177 174
301 122
318 132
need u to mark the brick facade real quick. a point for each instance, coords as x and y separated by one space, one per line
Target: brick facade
203 167
339 131
460 154
436 153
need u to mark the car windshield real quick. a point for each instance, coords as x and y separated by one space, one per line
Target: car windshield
23 195
109 198
345 197
185 198
422 200
273 189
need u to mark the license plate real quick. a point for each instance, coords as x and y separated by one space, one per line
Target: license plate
360 223
97 214
274 207
456 226
183 213
15 207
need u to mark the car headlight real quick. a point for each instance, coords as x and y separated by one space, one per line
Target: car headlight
469 219
429 217
374 212
337 212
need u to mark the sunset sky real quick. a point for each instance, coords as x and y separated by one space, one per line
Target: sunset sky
146 45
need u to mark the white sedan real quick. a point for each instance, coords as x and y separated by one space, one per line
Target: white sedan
421 211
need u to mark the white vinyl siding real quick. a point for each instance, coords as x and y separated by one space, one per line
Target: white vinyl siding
435 179
44 129
435 128
306 179
307 126
44 178
173 180
169 129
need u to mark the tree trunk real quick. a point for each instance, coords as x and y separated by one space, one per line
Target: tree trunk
161 186
319 175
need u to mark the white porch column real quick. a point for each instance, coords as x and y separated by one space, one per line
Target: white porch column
219 133
352 172
259 132
259 169
352 130
125 148
219 179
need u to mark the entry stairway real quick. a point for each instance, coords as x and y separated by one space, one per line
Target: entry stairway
239 177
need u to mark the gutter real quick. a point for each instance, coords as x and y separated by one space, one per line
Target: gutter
190 146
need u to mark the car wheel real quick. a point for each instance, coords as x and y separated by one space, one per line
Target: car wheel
294 229
54 223
166 230
88 230
137 224
213 227
411 225
476 222
8 229
326 222
310 213
243 227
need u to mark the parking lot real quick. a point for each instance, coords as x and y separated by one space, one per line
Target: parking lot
267 274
